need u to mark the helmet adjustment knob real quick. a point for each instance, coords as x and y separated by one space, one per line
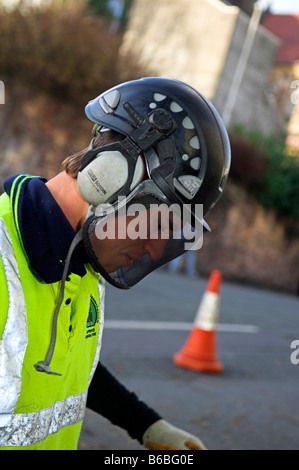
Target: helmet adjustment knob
162 120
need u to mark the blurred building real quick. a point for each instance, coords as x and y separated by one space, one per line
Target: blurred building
285 74
201 42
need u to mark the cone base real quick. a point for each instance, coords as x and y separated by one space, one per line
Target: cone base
198 365
199 353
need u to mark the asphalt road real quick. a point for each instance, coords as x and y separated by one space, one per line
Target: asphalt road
252 404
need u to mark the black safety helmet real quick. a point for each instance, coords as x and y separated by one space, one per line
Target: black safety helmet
183 143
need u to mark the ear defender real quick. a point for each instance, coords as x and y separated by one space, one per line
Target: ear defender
103 178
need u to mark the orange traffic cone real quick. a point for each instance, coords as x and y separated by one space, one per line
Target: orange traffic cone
199 352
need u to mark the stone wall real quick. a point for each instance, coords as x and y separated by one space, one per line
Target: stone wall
254 106
184 39
200 42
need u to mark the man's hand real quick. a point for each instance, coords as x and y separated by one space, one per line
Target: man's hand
163 436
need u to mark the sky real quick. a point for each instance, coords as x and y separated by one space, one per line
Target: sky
281 6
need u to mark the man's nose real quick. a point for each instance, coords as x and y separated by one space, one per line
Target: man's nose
155 248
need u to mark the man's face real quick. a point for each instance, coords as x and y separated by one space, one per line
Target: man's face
127 238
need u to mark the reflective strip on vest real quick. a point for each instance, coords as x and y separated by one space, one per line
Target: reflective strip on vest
23 429
12 346
31 428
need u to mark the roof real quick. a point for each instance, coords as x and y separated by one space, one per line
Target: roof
286 28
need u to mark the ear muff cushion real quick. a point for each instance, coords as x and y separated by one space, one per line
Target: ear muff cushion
103 177
106 175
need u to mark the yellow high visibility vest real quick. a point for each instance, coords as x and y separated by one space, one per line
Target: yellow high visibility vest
37 410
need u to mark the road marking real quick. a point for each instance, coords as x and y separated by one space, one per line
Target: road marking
177 326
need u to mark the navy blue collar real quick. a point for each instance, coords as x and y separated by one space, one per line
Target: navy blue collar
45 232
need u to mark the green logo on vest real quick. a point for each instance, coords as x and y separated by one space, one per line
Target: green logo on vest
93 318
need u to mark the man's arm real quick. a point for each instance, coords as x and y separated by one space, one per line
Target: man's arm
108 397
112 400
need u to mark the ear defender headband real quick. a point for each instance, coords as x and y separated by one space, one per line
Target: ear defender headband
116 169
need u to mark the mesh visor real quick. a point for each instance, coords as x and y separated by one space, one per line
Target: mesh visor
115 248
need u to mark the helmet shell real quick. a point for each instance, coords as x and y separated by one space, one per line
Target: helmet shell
198 145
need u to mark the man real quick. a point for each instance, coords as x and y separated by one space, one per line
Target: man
158 143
